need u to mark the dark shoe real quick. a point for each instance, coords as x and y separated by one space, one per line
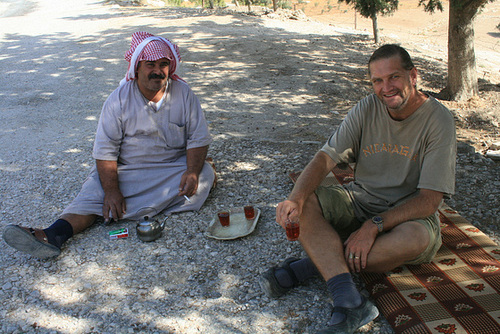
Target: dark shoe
354 318
30 241
269 283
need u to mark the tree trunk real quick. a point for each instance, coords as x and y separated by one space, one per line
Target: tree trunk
375 28
462 76
275 5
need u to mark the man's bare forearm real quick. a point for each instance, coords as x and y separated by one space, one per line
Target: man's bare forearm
108 175
196 158
311 177
423 205
114 205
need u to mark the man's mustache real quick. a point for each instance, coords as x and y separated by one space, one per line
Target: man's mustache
156 76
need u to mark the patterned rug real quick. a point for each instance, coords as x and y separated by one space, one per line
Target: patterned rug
459 292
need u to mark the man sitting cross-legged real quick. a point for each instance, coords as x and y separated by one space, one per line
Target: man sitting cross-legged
403 143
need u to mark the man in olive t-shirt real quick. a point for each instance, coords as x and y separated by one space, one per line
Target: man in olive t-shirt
403 143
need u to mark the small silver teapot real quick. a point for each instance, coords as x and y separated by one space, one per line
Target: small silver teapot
149 230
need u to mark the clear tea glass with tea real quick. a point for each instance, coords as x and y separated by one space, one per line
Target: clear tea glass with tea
292 230
223 218
249 212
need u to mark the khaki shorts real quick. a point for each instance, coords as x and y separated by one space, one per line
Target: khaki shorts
338 211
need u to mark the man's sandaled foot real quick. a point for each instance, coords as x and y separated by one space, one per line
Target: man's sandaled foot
30 241
269 283
354 318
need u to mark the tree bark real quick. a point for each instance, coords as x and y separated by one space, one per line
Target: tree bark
375 28
462 76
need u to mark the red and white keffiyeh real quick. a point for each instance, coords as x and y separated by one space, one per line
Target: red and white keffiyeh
146 46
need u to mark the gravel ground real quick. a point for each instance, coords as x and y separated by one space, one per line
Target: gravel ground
273 90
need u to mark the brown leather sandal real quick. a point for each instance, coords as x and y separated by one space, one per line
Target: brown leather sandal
30 241
212 164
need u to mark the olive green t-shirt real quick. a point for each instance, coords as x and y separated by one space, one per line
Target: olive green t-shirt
394 158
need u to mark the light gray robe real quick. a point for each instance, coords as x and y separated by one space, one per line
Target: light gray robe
150 148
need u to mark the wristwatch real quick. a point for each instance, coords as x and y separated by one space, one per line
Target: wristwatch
379 221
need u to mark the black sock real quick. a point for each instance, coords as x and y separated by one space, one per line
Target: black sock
303 270
344 293
59 232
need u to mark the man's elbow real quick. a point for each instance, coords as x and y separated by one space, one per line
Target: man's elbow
432 200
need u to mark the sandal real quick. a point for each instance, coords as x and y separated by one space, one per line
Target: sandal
212 164
30 241
354 318
269 283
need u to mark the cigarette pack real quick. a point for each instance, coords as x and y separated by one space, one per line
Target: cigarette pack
118 234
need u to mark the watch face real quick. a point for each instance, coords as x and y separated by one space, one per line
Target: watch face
377 220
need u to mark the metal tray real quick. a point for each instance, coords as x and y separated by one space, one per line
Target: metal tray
238 227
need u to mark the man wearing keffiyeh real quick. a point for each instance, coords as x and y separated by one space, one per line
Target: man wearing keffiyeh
150 149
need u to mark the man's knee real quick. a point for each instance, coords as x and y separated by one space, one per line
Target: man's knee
413 238
312 217
312 206
400 245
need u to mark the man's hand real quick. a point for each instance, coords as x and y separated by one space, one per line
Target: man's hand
195 158
189 184
287 210
359 244
310 178
361 241
114 205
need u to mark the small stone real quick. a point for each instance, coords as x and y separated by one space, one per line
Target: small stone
465 148
495 146
494 155
7 286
